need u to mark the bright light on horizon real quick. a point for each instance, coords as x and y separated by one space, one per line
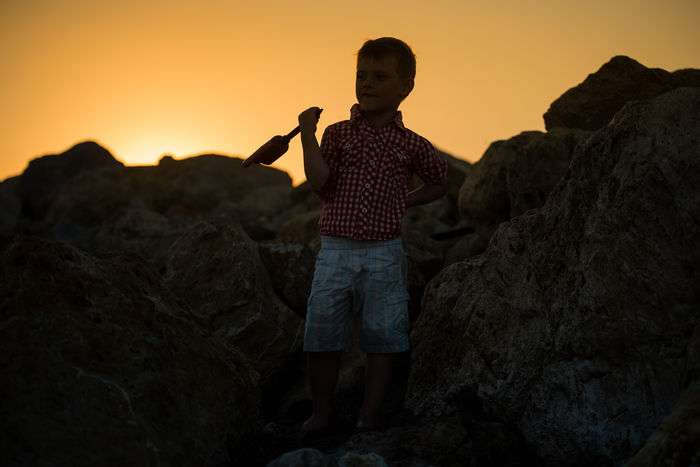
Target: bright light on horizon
187 78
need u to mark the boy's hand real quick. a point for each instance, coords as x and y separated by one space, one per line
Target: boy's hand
309 118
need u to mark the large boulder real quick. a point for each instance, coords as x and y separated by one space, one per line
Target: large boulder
101 366
574 325
45 176
215 270
677 440
514 176
591 104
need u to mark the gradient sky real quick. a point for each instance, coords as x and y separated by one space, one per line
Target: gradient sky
185 77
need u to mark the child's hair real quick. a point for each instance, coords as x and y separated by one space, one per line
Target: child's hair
390 46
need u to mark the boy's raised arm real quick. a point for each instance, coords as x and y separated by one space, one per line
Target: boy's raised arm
315 168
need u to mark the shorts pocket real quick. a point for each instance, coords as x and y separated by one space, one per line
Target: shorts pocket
391 281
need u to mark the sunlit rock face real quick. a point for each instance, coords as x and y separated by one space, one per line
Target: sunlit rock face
575 323
591 104
102 366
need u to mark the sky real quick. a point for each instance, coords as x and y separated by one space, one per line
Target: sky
186 77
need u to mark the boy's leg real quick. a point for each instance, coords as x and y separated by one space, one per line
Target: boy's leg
377 377
384 323
322 370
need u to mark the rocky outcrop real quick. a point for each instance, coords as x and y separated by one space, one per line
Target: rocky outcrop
10 205
514 176
101 366
291 268
574 325
215 271
591 104
677 440
46 176
100 209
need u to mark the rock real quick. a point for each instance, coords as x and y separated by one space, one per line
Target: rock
291 269
101 366
591 104
302 229
468 246
677 440
514 176
356 459
306 457
309 457
457 170
447 441
196 187
215 271
574 324
304 197
143 209
265 205
136 230
10 205
45 176
686 77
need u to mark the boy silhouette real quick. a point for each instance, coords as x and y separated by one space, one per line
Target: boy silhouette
361 173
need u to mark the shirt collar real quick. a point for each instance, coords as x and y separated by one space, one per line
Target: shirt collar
356 116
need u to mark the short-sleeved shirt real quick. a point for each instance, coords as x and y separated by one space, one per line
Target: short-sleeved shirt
364 197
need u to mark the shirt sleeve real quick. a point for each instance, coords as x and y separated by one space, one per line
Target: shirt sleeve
428 164
329 153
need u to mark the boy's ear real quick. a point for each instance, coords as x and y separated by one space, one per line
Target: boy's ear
408 87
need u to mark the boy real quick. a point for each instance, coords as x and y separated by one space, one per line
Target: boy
361 173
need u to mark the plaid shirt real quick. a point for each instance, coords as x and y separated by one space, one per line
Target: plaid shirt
364 197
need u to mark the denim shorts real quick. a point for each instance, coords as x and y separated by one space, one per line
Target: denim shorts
361 283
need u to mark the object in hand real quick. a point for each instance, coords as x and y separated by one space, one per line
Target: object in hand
273 149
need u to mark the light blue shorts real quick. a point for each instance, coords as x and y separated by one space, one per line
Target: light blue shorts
358 281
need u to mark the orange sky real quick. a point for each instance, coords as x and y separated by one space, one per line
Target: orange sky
184 77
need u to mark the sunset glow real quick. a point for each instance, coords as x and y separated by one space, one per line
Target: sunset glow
185 77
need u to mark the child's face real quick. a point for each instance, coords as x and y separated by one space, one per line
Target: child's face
378 86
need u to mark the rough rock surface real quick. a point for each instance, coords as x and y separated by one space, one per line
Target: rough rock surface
215 271
102 367
291 268
677 441
574 324
591 104
303 229
514 176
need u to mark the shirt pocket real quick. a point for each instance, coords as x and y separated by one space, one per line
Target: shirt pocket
394 167
351 149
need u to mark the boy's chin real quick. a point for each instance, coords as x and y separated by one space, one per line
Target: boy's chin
369 108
